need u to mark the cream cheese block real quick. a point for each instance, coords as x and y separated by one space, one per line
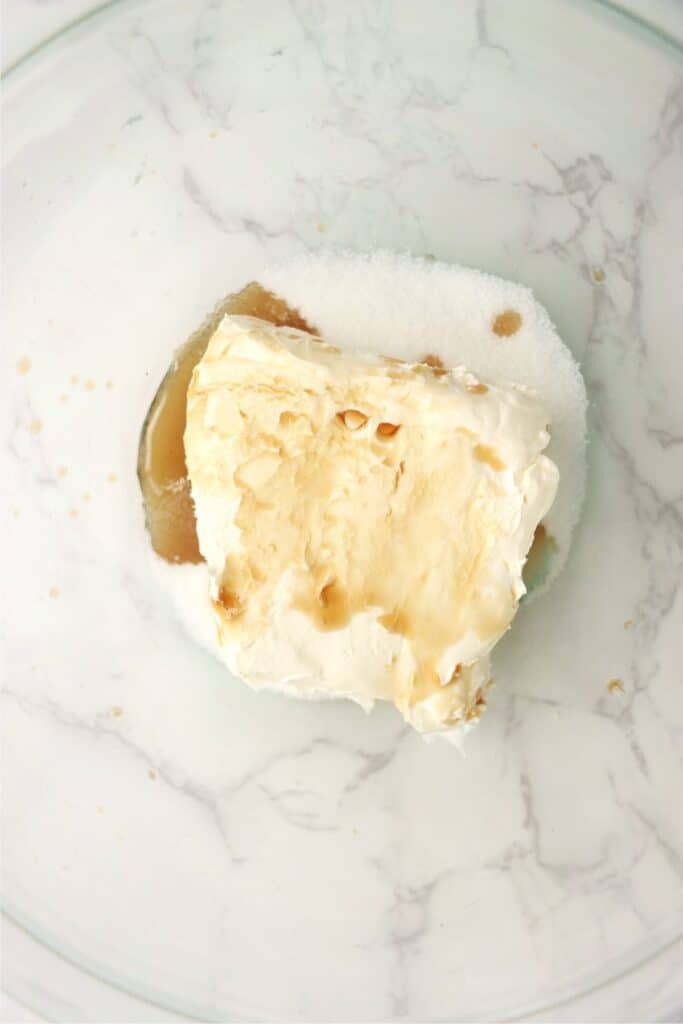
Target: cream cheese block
364 521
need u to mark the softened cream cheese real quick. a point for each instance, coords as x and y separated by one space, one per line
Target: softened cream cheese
364 521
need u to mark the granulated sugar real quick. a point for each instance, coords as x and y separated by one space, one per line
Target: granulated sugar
410 308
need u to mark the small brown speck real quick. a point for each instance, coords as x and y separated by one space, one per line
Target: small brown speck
534 145
507 323
321 227
24 365
230 602
62 471
598 274
109 385
484 453
353 419
629 624
63 397
152 774
86 497
90 385
73 512
456 673
112 478
74 379
54 592
615 686
117 711
435 362
213 135
35 426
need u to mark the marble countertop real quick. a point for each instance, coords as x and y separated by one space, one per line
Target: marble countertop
29 22
325 794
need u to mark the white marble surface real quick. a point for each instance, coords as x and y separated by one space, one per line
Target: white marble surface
231 854
28 23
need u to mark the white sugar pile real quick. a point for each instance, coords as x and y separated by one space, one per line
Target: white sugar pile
407 307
